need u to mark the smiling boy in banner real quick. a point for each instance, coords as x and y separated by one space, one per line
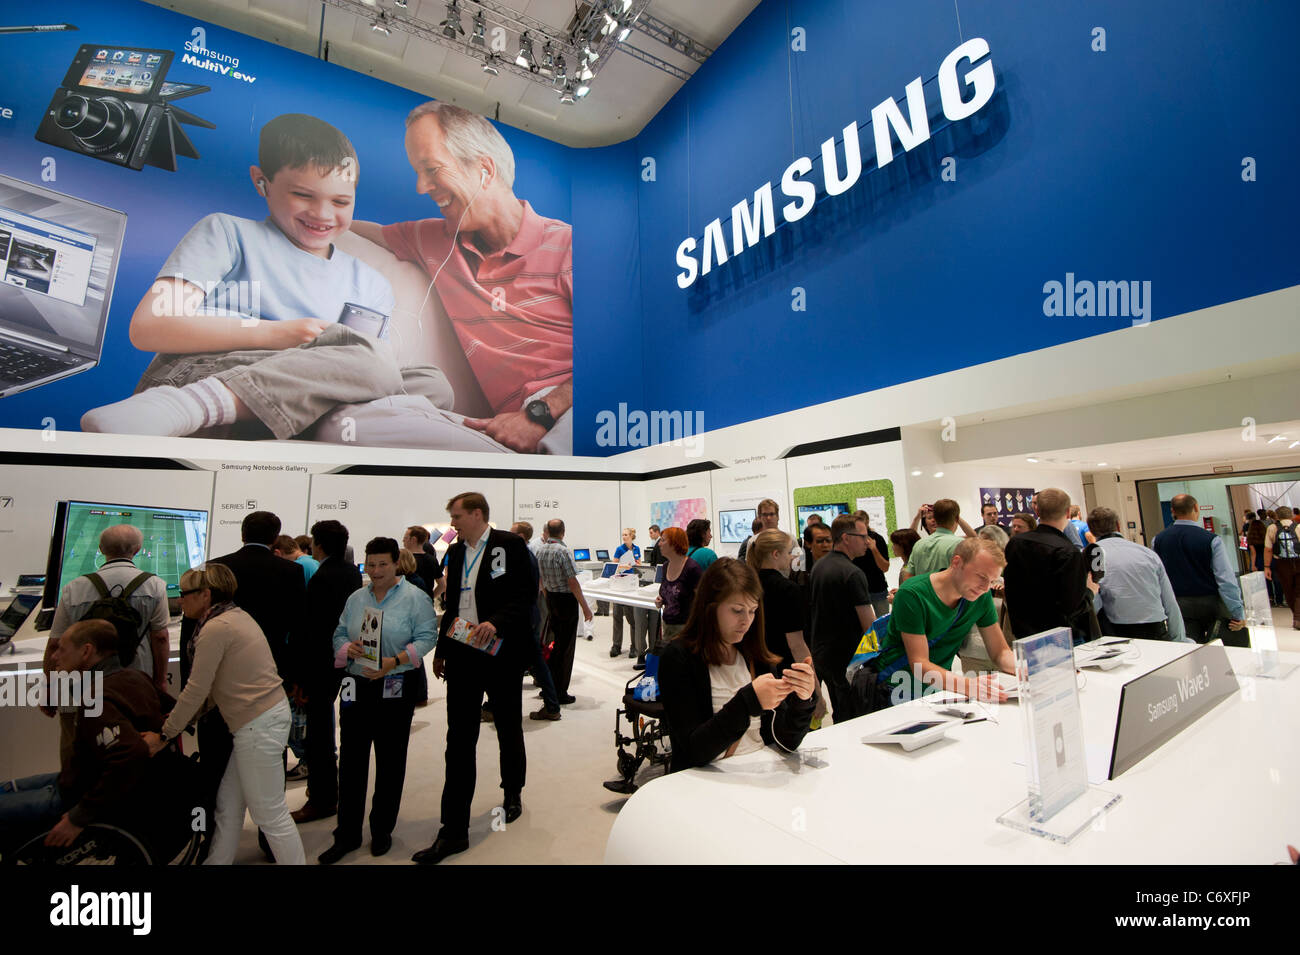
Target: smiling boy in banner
247 316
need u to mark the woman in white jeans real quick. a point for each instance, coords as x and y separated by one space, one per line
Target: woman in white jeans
234 668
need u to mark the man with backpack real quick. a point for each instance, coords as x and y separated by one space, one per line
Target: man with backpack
134 601
1282 559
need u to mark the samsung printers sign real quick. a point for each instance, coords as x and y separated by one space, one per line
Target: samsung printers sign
751 225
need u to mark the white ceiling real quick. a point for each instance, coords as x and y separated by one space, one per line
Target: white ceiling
1223 447
625 95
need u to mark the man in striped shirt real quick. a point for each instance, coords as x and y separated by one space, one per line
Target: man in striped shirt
504 275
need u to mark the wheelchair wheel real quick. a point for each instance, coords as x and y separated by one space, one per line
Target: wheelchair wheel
98 844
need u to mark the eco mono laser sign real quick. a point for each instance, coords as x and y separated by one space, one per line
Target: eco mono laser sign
749 226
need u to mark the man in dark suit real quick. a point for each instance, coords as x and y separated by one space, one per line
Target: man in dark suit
270 589
491 593
327 593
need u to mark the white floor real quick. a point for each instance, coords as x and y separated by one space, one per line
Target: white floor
568 814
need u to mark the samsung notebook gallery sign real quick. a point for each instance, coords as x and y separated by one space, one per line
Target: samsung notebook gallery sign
750 225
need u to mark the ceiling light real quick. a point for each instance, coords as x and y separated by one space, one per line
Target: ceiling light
582 90
584 70
623 32
1032 460
489 64
561 69
400 3
379 25
548 56
1292 445
916 472
480 29
567 96
1277 437
452 26
938 474
525 57
1101 464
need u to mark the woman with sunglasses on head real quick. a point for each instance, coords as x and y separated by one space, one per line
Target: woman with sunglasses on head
723 691
233 669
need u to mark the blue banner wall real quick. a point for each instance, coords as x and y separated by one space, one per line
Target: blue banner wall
1123 164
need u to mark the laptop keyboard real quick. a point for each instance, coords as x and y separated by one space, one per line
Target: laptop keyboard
22 363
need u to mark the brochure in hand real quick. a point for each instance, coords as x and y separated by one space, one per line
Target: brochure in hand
460 630
372 625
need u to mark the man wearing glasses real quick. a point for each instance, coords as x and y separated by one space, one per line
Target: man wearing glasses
841 611
769 513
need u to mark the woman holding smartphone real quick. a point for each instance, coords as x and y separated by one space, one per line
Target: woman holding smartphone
719 683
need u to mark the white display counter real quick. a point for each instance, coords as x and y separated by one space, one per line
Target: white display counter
1224 791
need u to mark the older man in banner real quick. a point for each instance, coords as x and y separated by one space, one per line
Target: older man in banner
503 273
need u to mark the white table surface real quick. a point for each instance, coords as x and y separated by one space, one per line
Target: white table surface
1225 790
643 597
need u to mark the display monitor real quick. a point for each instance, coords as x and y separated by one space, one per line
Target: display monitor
582 553
602 555
735 526
175 539
827 512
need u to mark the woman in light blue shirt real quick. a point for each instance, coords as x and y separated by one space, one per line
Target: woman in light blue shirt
385 631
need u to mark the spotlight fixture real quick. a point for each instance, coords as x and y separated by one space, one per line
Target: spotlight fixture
567 96
401 4
452 26
489 64
561 69
380 25
525 57
548 56
582 90
480 30
584 70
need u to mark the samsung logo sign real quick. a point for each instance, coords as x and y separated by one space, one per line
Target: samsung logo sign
750 225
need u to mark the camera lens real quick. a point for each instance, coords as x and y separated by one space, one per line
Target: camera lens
72 112
100 122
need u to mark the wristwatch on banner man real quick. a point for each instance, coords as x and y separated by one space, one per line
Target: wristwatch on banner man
539 411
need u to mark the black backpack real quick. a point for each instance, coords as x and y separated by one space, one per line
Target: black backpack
118 611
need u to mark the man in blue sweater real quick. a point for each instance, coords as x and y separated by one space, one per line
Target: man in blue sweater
1204 585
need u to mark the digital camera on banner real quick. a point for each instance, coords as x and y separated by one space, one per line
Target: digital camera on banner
116 104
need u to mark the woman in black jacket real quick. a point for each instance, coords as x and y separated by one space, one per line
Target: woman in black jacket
717 683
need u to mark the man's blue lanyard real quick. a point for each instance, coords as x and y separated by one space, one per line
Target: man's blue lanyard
469 567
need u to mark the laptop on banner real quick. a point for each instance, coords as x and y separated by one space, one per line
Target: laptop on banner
58 260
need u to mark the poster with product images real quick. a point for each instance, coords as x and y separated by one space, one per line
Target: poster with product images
1009 502
302 263
678 513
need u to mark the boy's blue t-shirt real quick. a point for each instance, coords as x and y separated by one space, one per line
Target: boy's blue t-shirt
251 269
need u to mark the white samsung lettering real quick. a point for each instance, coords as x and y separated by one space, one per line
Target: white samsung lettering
1158 709
887 121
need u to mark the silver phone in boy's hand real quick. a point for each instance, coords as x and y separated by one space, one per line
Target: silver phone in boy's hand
364 320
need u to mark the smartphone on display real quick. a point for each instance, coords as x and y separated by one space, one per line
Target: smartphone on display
364 320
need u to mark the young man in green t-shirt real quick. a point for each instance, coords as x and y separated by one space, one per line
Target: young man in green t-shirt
931 616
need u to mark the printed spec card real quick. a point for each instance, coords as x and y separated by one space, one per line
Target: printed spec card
372 626
460 630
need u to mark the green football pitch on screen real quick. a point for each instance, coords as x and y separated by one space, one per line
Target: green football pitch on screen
173 541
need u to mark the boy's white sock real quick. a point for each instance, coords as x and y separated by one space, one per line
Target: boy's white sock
166 410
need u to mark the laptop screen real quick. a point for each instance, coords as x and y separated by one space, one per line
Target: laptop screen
609 570
58 259
602 555
581 553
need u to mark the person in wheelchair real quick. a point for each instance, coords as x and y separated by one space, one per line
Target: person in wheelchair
109 776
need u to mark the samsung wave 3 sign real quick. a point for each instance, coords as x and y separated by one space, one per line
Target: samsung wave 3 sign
749 226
